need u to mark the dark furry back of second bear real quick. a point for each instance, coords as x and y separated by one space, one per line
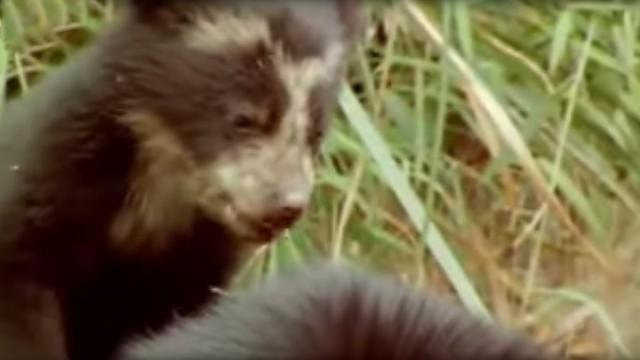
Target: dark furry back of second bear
329 311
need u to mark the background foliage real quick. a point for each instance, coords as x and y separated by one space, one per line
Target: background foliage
484 149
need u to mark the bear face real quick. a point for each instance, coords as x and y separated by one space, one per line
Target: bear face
229 105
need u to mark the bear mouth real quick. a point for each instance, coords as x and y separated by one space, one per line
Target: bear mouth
272 226
259 230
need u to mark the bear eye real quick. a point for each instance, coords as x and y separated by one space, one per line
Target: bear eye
245 118
244 123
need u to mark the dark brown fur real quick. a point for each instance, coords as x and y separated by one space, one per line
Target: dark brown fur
329 311
66 165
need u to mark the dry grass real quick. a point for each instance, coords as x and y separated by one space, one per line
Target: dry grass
485 149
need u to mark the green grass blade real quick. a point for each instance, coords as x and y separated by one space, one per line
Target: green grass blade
4 68
398 182
560 42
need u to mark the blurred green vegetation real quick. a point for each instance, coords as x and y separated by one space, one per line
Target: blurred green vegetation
481 148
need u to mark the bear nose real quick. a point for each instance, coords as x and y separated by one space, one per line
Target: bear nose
289 214
281 218
288 204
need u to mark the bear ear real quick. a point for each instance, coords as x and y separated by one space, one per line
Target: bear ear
142 7
163 13
353 17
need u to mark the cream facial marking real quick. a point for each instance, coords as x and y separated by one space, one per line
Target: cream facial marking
238 190
160 198
274 173
218 29
299 78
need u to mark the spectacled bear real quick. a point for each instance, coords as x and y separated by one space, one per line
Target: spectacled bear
133 179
